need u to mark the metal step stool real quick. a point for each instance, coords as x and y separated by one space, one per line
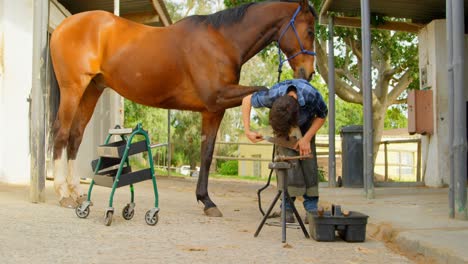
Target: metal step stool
113 170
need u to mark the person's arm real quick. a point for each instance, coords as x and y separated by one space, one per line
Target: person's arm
246 108
304 142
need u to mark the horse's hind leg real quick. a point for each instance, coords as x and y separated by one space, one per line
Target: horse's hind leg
210 125
83 115
70 96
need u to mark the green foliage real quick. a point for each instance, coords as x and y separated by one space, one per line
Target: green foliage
395 118
398 48
229 167
154 120
186 135
321 175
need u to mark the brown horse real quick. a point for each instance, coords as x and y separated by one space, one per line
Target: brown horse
192 65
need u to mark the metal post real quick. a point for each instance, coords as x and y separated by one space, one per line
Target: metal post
169 149
331 106
459 140
367 91
37 107
451 109
115 98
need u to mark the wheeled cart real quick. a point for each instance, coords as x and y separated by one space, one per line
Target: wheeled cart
113 170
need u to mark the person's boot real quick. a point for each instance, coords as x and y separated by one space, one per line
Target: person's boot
290 216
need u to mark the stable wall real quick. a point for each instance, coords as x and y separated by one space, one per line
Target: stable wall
16 44
16 27
433 55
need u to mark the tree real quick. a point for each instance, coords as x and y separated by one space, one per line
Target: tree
154 120
187 125
394 69
186 136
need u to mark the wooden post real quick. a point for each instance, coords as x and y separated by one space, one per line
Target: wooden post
386 160
418 168
37 105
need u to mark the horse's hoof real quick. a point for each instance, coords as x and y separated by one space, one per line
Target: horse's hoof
213 212
68 203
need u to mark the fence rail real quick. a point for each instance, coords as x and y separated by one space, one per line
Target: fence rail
161 155
403 141
386 163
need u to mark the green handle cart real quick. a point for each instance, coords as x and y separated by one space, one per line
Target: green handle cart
106 174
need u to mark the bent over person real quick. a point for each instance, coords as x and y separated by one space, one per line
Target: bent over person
311 117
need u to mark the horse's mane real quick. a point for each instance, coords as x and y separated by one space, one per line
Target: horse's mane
231 16
222 18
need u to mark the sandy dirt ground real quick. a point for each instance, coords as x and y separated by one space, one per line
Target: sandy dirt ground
46 233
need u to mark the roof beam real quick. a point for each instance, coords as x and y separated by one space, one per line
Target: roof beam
159 8
389 25
143 18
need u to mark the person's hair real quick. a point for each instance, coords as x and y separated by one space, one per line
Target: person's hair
284 115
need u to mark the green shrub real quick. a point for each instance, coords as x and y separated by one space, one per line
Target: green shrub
321 174
229 167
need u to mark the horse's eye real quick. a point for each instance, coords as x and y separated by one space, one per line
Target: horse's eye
310 32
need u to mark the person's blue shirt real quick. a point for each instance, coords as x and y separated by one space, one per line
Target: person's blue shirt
310 100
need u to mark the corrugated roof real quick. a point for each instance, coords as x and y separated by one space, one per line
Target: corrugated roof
130 8
418 10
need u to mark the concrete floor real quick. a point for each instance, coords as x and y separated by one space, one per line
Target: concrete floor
46 233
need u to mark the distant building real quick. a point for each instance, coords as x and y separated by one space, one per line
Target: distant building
402 157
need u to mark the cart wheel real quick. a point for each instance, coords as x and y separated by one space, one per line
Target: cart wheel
127 212
108 219
82 213
151 219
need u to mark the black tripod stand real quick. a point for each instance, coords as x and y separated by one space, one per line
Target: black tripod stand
281 163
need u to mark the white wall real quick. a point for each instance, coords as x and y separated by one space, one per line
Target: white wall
16 43
1 81
433 55
16 25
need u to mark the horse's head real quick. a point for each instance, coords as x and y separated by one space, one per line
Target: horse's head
296 40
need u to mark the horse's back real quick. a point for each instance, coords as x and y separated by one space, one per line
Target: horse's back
84 39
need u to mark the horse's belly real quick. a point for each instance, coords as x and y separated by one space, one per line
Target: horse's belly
172 98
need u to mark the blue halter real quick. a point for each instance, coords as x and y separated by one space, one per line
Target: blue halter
303 51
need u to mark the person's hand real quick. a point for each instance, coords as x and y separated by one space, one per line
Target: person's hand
304 146
254 136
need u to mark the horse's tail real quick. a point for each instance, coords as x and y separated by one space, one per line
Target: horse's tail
53 101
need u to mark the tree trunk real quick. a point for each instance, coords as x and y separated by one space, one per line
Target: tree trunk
378 119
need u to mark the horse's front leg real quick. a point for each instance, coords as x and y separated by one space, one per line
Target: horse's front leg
210 125
232 95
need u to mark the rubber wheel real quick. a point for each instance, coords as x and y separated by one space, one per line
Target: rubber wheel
82 213
151 220
108 219
127 214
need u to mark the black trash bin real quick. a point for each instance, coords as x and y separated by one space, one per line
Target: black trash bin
352 156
